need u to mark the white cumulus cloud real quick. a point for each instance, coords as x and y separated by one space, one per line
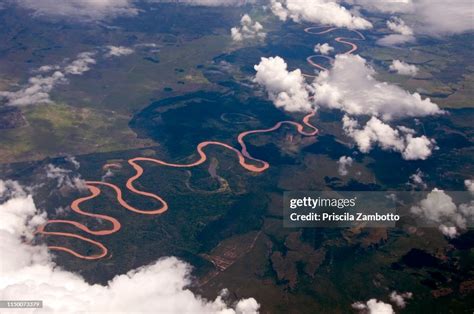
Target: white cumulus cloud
435 18
247 30
65 178
350 86
38 88
395 40
373 306
469 185
400 299
443 17
318 11
377 133
387 6
80 9
450 232
323 49
417 179
247 306
117 51
81 64
404 33
403 68
208 3
438 208
28 272
398 25
286 89
344 162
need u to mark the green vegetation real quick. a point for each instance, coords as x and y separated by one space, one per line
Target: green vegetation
445 74
55 129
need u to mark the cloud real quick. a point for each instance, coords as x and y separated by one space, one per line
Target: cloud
279 10
18 219
208 3
450 232
467 211
287 90
64 178
73 161
436 206
323 49
469 185
351 87
107 174
434 18
80 9
28 272
81 64
439 208
38 88
117 51
398 25
387 6
417 179
404 33
247 30
48 68
444 17
417 147
400 298
247 306
378 133
403 68
318 11
395 40
373 306
344 162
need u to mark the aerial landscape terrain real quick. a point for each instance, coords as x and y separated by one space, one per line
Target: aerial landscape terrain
148 149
